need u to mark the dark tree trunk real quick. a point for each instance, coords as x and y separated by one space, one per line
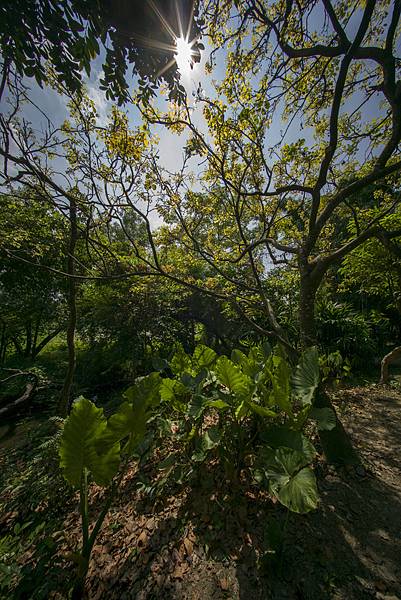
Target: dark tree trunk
37 349
65 399
307 302
17 345
336 443
28 343
35 336
3 344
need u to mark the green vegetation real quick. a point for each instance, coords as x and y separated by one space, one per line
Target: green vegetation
199 271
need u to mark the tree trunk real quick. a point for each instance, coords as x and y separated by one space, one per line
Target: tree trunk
307 302
35 336
15 405
336 443
17 345
65 399
28 343
37 349
3 344
387 361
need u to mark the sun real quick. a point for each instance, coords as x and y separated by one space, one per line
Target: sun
184 55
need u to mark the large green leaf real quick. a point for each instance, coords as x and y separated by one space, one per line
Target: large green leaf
280 379
261 410
324 417
231 376
181 361
293 484
280 435
211 438
306 376
127 421
203 356
145 391
171 389
79 448
300 493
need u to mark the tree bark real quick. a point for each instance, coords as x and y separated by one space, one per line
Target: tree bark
307 302
387 361
15 405
37 349
336 443
28 343
3 344
65 399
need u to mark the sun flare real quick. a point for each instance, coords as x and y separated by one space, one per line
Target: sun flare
184 55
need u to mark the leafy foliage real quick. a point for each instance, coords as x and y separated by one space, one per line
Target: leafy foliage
220 407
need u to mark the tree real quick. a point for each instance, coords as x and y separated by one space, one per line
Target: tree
32 299
283 197
375 268
70 34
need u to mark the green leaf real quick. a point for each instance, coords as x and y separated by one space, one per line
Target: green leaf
218 404
324 417
279 435
211 438
106 464
306 377
127 421
293 484
280 378
204 356
79 449
238 357
145 391
261 410
231 376
170 389
300 493
181 361
197 406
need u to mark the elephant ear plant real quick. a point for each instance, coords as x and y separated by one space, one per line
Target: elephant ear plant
250 411
97 449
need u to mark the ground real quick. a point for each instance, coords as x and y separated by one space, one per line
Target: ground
207 542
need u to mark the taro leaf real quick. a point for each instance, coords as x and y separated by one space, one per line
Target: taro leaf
181 361
279 435
204 356
218 404
106 465
231 376
324 417
127 421
300 493
280 379
211 438
83 428
144 391
293 484
241 410
170 389
267 349
196 407
123 422
306 376
261 410
187 379
238 357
